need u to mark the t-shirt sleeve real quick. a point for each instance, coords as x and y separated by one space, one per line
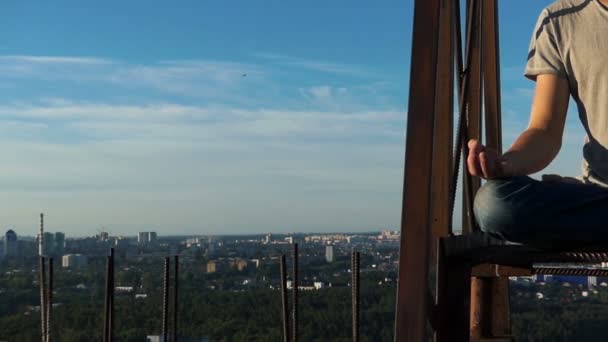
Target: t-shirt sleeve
544 56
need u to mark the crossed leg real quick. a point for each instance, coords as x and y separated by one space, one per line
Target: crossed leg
548 215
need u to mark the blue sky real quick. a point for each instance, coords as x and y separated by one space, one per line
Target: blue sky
215 117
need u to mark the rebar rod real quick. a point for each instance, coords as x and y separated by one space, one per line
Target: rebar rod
463 87
41 236
355 294
49 301
111 310
587 272
175 298
165 299
294 314
42 283
284 301
107 304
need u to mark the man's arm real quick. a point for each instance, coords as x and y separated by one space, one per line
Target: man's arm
538 145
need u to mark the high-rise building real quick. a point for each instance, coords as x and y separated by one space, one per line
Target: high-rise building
74 261
10 244
141 238
144 238
49 243
211 249
59 243
329 253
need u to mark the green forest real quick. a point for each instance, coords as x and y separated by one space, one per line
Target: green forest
218 315
254 314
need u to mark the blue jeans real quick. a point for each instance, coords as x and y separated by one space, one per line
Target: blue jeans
546 215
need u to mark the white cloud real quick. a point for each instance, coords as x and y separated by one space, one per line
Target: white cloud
49 60
321 92
237 84
315 65
217 80
199 168
221 120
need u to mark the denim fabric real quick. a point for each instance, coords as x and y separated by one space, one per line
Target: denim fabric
541 214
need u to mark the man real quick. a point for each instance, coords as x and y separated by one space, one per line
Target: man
567 57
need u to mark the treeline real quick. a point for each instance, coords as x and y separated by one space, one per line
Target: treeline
255 315
562 315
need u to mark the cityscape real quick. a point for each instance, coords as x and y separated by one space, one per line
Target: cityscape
214 265
217 272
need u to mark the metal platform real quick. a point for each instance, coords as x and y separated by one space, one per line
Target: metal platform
479 248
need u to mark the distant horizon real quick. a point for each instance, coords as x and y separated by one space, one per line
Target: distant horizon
68 236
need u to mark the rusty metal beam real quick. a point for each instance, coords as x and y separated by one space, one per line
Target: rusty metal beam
492 271
112 287
481 317
472 109
294 292
454 277
500 324
501 307
444 127
107 303
284 301
355 284
463 65
491 317
491 75
441 189
175 300
490 299
165 317
410 322
582 272
49 302
42 283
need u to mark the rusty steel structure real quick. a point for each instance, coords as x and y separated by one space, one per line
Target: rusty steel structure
108 331
170 301
294 293
49 302
42 284
165 316
469 299
174 331
284 300
45 277
356 294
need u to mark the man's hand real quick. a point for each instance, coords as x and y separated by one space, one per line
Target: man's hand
484 162
538 145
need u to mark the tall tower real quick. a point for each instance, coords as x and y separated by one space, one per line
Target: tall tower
41 236
329 253
59 240
10 243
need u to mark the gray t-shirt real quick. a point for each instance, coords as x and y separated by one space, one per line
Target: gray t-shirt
571 41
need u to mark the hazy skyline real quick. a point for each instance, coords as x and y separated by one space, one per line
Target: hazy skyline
214 118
